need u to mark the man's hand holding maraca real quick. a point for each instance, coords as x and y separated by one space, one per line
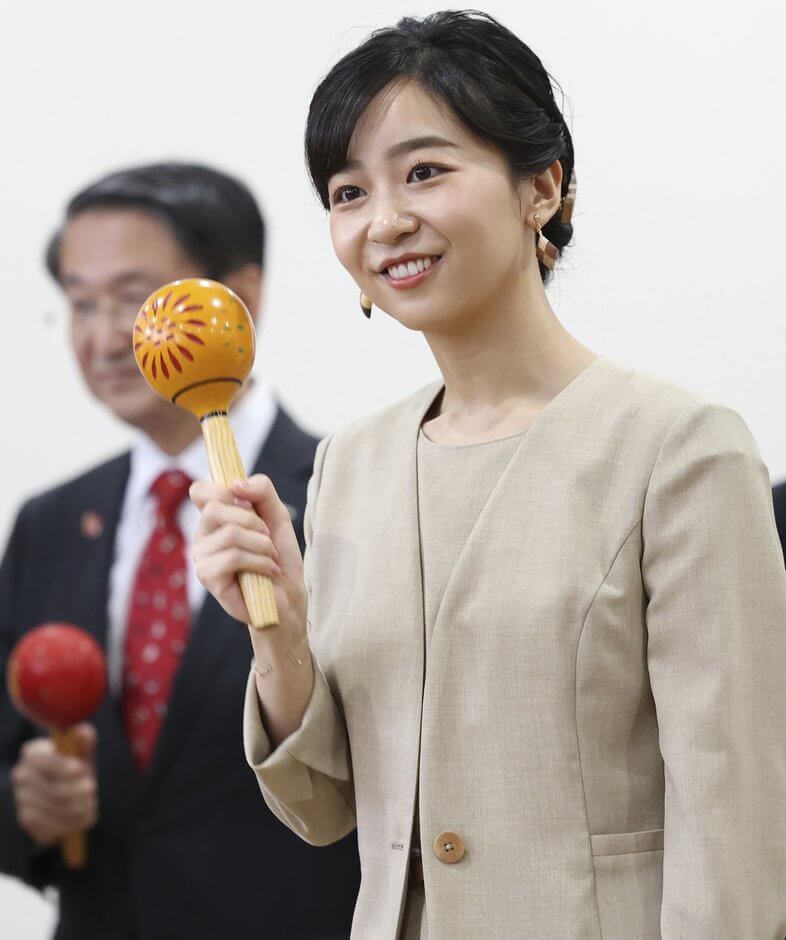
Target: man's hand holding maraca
246 527
57 678
54 794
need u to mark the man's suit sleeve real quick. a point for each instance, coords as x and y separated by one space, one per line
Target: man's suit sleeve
716 623
18 855
307 780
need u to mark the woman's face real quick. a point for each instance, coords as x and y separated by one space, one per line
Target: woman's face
425 216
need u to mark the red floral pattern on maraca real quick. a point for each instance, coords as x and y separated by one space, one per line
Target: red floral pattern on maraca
166 331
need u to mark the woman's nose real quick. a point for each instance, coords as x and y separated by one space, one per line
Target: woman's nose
388 226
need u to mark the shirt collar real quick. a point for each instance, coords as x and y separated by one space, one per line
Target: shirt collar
252 418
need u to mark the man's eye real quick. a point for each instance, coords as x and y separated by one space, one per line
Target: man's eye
133 301
346 193
423 172
82 307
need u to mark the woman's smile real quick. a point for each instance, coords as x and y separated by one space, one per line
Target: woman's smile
410 270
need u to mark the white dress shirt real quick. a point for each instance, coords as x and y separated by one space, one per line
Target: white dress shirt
252 418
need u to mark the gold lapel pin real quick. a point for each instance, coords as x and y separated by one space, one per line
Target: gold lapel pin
91 525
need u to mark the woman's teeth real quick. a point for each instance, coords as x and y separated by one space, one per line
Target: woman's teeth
410 268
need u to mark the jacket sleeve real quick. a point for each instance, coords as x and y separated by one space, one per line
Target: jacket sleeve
716 621
19 856
307 780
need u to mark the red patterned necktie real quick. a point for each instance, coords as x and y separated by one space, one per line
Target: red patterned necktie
158 621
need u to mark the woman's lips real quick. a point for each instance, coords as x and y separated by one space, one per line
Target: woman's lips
405 283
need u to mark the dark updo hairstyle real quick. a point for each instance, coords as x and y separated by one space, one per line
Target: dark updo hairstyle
492 81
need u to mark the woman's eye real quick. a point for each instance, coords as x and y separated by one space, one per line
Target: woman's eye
346 194
423 172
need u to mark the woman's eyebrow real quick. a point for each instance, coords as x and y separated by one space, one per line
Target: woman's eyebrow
405 146
416 143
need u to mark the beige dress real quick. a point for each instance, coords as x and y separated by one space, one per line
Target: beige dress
454 484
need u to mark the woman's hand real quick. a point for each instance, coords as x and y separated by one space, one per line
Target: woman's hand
248 528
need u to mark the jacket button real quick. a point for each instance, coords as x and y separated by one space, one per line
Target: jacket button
449 847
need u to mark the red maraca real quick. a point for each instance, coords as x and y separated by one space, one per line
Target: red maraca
57 678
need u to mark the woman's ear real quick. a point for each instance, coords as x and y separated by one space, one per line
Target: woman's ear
247 282
541 194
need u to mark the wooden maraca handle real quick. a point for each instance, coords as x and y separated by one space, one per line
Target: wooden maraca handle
74 845
226 466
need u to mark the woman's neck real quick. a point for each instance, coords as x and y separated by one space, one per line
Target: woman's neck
502 369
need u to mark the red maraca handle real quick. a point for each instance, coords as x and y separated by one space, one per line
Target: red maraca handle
73 846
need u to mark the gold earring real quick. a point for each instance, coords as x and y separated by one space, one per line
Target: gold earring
546 251
365 305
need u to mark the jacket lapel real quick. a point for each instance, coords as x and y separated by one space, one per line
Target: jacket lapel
366 533
90 549
98 514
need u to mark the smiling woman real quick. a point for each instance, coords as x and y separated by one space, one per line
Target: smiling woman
442 195
545 597
499 93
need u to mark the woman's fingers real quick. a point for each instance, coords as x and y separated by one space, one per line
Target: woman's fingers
221 554
217 514
247 528
221 567
235 535
204 491
259 491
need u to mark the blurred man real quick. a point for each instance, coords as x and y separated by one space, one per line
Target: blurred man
180 845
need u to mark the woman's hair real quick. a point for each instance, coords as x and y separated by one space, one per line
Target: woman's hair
211 215
495 85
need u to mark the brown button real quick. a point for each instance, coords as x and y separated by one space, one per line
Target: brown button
449 847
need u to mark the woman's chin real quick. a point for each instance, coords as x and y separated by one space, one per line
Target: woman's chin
424 316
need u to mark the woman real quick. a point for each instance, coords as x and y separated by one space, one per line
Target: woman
545 598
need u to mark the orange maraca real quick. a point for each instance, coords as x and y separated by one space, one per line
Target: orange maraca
194 344
57 677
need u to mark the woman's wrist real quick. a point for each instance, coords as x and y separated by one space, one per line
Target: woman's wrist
278 645
294 657
284 678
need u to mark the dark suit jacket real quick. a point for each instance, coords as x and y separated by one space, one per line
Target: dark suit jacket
190 851
779 498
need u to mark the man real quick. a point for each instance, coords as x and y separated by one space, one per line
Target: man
180 844
779 498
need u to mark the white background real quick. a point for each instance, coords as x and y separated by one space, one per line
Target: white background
677 115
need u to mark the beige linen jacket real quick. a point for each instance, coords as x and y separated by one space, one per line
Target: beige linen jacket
602 717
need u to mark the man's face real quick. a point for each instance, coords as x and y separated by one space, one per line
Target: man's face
111 260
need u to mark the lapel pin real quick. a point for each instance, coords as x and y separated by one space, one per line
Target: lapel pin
91 524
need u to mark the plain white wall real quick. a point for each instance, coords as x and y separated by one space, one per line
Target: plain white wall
677 266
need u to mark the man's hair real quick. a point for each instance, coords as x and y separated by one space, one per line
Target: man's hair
212 216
